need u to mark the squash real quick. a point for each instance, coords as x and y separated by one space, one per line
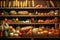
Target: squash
45 32
13 12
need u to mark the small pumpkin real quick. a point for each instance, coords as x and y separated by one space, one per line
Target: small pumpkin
45 31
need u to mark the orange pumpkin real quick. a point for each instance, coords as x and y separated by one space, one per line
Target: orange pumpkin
40 29
40 21
45 32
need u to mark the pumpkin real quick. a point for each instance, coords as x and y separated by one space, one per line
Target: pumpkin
45 32
40 30
40 21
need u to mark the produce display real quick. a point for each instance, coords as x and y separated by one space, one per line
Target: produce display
13 12
27 30
31 20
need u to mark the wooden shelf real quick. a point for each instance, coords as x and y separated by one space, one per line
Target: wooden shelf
32 37
28 15
19 37
30 8
31 23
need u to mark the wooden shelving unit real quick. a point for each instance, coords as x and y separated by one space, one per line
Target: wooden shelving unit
34 16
